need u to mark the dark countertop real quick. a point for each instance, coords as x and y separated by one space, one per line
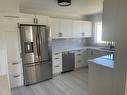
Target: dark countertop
103 61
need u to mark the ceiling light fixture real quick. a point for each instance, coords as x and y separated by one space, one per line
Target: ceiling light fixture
64 3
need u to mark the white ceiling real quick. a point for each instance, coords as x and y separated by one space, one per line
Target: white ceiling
78 7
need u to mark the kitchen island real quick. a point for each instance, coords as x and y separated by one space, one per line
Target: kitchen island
100 75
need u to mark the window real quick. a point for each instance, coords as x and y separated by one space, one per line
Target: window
98 32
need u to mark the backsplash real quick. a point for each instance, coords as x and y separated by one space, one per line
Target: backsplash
69 43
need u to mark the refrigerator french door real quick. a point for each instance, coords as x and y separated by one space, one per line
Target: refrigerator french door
36 53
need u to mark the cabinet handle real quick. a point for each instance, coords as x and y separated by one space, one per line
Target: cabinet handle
15 63
56 53
79 54
60 34
91 52
79 61
35 20
83 34
57 58
78 50
57 66
15 76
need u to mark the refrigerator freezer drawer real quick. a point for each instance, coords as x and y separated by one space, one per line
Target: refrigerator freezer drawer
34 73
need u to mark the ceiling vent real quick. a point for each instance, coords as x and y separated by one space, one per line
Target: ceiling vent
64 3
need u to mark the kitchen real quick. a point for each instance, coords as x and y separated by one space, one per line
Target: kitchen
72 53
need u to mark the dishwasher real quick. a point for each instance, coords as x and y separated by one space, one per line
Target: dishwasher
68 61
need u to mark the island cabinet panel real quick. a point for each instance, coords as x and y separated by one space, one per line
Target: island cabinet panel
100 80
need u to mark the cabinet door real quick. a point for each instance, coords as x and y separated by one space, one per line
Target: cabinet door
26 18
66 28
86 29
42 20
110 11
80 58
55 28
16 80
77 29
3 54
57 63
13 52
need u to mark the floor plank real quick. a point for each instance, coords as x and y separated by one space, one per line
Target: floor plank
71 83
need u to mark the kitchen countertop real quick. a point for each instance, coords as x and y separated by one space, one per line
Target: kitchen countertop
59 50
103 61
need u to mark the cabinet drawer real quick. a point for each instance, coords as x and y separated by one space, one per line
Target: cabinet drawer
57 68
56 62
15 68
16 80
79 51
78 56
57 55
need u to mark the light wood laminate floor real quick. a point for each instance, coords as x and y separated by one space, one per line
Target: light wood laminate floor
71 83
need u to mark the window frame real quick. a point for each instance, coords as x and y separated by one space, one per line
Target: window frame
95 37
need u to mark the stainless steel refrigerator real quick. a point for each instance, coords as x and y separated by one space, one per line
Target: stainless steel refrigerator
36 53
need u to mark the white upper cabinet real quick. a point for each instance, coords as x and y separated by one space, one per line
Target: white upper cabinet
87 29
55 28
42 20
82 29
77 29
66 28
110 13
33 19
61 28
26 18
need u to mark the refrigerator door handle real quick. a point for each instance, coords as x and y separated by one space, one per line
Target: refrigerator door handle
37 45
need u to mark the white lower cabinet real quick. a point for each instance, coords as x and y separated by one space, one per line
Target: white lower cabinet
16 74
81 58
100 79
57 63
16 80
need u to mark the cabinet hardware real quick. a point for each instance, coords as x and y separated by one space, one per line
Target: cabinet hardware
57 66
35 21
78 54
78 50
57 58
15 63
15 76
91 52
83 34
56 53
60 34
79 61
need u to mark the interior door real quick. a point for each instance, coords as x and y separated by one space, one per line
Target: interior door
44 41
